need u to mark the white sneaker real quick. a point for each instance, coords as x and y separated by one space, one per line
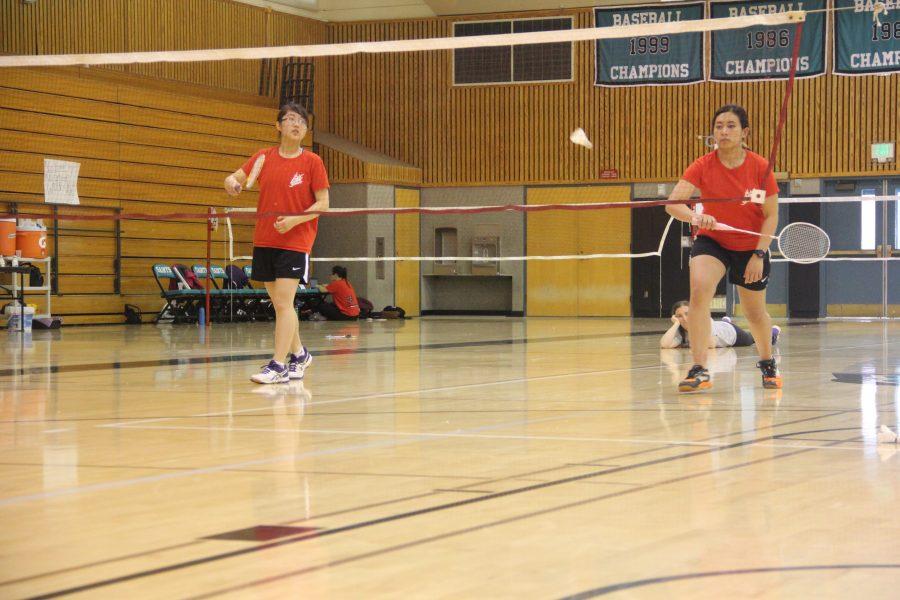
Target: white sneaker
273 372
298 363
886 436
272 392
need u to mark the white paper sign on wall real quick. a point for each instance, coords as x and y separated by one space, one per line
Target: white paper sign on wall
61 181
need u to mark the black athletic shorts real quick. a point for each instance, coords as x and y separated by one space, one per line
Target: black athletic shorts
270 264
734 260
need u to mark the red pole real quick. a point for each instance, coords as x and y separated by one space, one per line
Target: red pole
208 271
782 115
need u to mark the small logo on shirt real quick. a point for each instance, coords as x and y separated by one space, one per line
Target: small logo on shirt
296 180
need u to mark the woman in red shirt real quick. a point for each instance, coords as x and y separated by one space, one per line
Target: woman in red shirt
729 171
293 180
346 305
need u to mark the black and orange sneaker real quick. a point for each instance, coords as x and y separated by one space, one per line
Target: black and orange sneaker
697 380
771 380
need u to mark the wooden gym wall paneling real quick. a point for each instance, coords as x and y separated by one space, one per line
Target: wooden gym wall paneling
384 101
406 106
288 30
92 26
18 24
140 152
152 148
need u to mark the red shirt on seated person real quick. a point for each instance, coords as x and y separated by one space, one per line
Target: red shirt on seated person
346 305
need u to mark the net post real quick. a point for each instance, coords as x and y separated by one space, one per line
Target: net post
782 115
230 238
209 228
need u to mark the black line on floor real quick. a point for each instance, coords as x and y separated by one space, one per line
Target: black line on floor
78 368
673 408
505 521
227 358
637 583
437 508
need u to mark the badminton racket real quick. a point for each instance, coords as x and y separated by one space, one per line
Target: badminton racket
802 243
255 171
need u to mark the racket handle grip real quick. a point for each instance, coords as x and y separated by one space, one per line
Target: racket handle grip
695 222
723 227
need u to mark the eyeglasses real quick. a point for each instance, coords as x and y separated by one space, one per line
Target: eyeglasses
291 118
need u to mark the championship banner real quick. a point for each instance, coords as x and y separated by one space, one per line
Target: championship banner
758 53
649 60
863 44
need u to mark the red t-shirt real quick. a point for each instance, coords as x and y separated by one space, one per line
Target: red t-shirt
344 297
715 180
287 185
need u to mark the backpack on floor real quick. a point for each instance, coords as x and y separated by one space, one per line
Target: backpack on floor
365 307
132 314
393 312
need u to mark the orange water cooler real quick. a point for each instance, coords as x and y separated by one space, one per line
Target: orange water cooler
7 237
31 240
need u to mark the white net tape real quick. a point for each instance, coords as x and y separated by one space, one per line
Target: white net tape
450 43
798 242
846 258
228 211
482 259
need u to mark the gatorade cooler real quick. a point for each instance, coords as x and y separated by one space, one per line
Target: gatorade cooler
31 240
7 237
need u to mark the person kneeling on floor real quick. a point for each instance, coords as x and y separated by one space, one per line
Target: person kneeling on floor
346 304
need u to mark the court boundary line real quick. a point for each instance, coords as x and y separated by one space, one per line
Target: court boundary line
739 359
12 500
636 583
449 505
225 358
575 411
237 357
112 485
459 435
516 518
15 500
480 481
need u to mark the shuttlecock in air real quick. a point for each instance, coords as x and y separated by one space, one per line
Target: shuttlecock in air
880 8
886 436
580 137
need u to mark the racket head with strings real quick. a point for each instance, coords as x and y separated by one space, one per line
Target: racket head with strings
804 243
255 171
